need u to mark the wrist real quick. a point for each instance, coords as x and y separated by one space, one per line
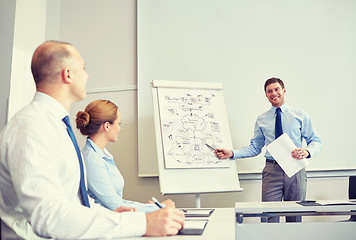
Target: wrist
308 154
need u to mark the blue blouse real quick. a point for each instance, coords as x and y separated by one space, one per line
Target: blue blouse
105 182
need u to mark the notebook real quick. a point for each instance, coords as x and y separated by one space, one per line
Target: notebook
197 212
193 227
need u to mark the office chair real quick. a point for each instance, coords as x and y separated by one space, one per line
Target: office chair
352 193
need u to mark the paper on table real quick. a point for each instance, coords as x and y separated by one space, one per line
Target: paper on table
281 150
198 212
333 202
195 224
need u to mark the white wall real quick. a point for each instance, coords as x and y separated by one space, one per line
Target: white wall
107 41
23 26
29 32
7 20
240 44
105 34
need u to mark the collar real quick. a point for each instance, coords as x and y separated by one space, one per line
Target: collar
54 107
283 108
104 154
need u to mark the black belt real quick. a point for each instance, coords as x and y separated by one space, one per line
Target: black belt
271 160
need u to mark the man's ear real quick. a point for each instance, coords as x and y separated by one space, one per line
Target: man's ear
67 75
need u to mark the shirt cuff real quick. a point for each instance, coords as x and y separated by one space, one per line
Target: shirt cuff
310 155
233 154
130 224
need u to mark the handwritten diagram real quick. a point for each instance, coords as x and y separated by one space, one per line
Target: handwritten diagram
189 119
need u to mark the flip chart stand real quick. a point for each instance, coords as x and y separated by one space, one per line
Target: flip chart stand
180 107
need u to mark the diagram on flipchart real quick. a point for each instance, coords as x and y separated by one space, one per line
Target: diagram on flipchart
189 120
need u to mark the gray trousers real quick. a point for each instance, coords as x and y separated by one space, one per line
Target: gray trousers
277 186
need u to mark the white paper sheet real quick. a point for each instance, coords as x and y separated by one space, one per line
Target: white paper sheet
198 212
281 150
195 224
335 202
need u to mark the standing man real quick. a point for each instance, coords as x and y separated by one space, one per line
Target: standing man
281 118
42 177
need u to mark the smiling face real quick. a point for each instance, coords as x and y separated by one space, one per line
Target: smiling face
275 94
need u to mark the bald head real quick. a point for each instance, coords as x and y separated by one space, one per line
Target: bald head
48 61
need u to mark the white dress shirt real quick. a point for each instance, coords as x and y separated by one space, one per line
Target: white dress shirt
39 182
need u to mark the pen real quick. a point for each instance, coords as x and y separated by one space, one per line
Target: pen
212 148
157 202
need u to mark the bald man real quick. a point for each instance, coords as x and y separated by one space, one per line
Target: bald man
41 171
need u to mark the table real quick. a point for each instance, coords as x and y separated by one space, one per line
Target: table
293 231
221 225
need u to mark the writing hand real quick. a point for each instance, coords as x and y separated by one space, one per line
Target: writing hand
165 221
169 203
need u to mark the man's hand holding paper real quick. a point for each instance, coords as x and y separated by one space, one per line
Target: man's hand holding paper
289 157
300 153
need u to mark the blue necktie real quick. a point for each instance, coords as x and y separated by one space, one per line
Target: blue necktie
83 190
278 128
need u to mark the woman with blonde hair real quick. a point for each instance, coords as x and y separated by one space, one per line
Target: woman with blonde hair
100 121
